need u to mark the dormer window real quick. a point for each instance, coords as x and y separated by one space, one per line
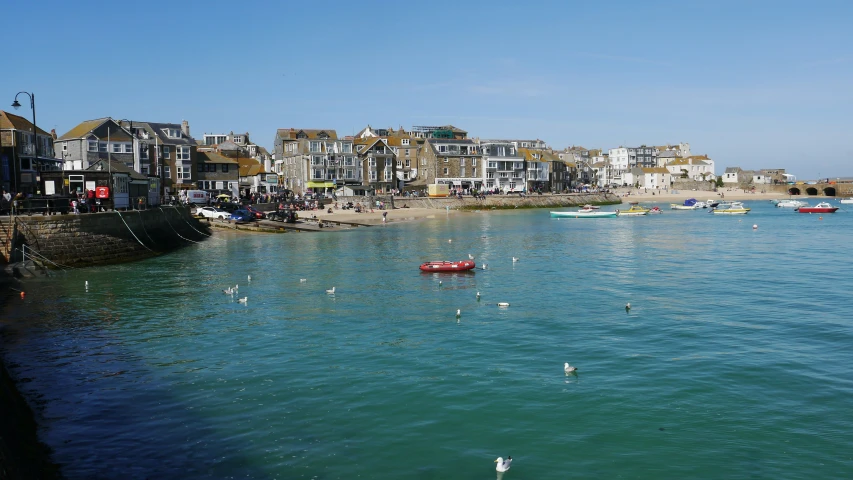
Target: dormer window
405 141
172 132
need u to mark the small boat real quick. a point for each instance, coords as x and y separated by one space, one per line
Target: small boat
847 200
446 266
791 203
634 211
655 209
712 203
689 204
590 207
583 214
701 205
821 207
730 208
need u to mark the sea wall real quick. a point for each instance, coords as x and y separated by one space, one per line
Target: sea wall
104 238
494 201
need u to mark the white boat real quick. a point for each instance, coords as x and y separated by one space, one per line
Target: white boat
584 214
847 200
675 206
701 205
731 208
790 203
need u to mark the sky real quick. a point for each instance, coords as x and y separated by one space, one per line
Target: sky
753 84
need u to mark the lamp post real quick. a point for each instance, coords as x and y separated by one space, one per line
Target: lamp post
16 106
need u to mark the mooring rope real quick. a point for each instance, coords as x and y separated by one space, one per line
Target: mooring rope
190 225
173 228
145 229
131 232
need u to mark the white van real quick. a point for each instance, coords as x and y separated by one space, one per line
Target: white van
196 197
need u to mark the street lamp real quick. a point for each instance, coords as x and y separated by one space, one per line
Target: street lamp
16 106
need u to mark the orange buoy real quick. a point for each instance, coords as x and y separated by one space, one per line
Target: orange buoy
22 295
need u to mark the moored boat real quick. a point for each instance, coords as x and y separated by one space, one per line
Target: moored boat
590 207
634 211
584 214
730 208
847 200
791 203
655 209
446 266
689 204
822 207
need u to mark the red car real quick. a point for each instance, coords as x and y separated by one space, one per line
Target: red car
254 211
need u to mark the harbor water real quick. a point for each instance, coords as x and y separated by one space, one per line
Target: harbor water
732 362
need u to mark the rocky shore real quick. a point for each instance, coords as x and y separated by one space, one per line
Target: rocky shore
22 455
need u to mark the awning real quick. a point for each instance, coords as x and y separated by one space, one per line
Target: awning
320 184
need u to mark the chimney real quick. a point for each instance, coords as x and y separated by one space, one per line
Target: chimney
185 127
53 133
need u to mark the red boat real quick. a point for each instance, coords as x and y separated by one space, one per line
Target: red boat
821 207
459 266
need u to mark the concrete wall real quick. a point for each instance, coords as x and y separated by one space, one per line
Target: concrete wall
106 238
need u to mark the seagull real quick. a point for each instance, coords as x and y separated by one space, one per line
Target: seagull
87 284
503 465
450 240
228 291
439 283
514 259
470 257
627 307
503 304
569 369
250 279
458 313
478 295
331 292
303 280
243 300
484 266
236 287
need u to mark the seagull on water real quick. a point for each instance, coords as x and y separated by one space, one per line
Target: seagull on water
458 313
514 259
303 280
228 291
250 279
478 295
627 307
470 257
331 291
503 465
243 300
484 266
569 369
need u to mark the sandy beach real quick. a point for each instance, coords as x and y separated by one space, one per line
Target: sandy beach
632 195
375 218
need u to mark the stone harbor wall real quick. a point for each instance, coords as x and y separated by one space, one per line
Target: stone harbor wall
104 238
493 201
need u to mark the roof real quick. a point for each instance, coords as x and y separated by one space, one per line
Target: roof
101 128
544 155
229 145
668 154
311 134
117 167
655 170
156 128
249 167
733 169
10 121
213 157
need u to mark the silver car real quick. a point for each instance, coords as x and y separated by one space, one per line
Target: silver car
213 212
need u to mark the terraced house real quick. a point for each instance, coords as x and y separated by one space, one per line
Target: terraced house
25 150
457 163
317 161
504 166
405 146
168 151
378 164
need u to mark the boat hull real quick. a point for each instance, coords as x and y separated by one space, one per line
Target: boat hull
817 210
579 214
737 211
675 206
846 200
445 266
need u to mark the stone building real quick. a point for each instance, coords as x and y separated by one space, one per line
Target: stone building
24 152
455 162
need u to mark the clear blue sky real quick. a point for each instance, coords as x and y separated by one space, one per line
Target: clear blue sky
753 84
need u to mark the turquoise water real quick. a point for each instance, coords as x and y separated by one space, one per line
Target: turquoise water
734 361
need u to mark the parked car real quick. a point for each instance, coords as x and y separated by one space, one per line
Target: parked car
213 212
242 215
257 213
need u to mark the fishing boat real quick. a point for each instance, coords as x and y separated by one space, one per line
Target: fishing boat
689 204
730 208
445 266
634 211
791 203
584 214
655 209
822 207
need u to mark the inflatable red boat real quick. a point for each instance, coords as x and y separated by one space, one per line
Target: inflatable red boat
459 266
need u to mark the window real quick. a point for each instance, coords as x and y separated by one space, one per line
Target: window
389 174
373 174
116 147
182 153
314 147
461 162
371 162
224 168
442 148
168 171
473 172
318 173
473 162
349 174
405 142
493 164
446 159
172 132
407 152
64 146
166 151
201 167
93 145
462 172
346 148
408 163
143 153
316 160
446 171
102 147
184 173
